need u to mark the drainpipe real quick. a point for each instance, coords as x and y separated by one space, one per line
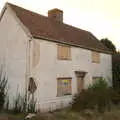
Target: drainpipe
28 68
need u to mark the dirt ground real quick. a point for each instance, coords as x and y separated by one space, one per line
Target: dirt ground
65 115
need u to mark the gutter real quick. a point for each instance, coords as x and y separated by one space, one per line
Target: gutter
71 44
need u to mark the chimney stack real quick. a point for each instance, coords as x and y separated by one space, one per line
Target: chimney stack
56 14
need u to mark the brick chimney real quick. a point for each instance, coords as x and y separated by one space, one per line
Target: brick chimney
56 14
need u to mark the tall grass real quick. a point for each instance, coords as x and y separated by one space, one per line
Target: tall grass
21 105
32 105
3 86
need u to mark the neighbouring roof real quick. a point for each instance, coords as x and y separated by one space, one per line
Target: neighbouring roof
43 27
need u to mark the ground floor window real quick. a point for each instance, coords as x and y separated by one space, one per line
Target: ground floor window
96 78
64 86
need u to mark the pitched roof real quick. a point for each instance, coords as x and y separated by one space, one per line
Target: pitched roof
42 26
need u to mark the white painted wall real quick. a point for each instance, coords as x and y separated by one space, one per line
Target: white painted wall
13 52
49 68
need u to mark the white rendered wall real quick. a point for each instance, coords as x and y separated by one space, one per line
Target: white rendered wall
49 68
13 52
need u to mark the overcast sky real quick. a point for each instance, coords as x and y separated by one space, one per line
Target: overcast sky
101 17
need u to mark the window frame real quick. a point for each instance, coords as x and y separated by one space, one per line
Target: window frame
59 54
61 89
96 57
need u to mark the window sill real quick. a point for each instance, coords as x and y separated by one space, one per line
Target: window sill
95 62
68 95
65 59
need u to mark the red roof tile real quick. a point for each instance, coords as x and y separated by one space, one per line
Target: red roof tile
42 26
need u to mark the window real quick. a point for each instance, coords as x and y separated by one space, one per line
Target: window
64 52
96 78
95 57
64 86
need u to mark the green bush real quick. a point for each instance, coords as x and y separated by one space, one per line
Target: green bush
83 100
99 84
97 96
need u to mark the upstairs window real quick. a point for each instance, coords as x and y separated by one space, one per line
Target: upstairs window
64 52
95 57
64 86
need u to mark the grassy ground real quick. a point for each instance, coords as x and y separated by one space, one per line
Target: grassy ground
66 115
69 115
9 116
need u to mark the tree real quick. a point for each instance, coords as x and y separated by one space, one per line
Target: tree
115 62
108 44
116 70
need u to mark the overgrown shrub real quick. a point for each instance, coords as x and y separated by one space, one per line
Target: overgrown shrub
101 94
80 100
97 96
100 84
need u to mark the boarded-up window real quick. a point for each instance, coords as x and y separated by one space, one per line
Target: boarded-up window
64 52
64 86
96 78
36 53
95 57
